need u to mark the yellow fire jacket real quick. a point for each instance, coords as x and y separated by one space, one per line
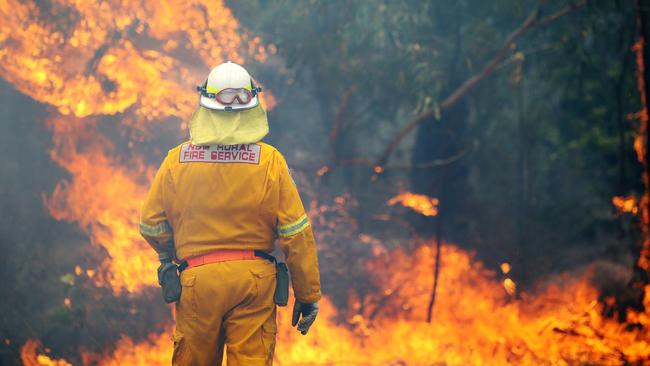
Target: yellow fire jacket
231 197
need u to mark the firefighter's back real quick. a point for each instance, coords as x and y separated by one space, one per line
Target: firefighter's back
222 197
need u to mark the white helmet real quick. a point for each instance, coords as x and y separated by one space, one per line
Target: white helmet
229 88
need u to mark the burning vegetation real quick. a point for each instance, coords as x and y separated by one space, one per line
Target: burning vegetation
111 72
476 322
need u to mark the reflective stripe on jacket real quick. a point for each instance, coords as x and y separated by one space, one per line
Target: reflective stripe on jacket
231 197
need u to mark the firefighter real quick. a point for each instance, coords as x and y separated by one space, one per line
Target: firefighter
216 206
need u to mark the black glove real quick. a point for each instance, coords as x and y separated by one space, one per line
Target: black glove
169 281
308 312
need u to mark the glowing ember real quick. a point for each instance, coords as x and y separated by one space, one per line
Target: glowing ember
510 286
505 268
419 203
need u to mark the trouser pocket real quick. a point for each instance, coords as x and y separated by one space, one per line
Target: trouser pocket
186 308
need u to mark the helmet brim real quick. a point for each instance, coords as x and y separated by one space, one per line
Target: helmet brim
212 103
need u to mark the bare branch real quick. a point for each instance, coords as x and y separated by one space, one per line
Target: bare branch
424 165
531 21
436 162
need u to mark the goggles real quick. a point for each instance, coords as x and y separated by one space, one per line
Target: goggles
228 96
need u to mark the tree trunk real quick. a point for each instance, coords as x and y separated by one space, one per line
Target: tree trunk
436 270
521 172
437 139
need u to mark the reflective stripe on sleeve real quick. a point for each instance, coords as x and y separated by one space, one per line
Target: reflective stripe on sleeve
160 229
294 227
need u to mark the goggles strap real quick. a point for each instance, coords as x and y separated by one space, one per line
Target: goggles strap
255 89
203 90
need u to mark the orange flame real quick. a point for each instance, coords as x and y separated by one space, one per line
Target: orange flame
641 149
115 56
419 203
104 198
108 59
475 323
626 204
29 355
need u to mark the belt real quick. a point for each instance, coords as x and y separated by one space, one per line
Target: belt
223 255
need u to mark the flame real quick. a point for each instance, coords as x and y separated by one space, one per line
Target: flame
103 197
626 204
640 146
475 323
103 59
114 58
419 203
30 357
156 350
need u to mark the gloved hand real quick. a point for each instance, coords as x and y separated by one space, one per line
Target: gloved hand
308 312
169 281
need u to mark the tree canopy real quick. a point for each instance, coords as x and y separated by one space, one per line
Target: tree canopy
525 163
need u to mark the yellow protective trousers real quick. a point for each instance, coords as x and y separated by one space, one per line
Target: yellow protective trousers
226 304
